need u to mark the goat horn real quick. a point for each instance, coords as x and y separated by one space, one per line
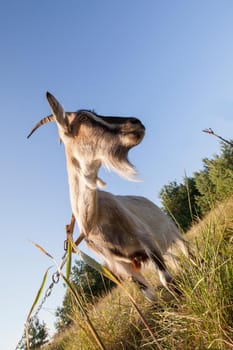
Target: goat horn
43 121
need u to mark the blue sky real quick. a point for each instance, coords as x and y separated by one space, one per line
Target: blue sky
169 63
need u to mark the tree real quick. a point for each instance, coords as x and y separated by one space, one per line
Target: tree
206 188
215 182
197 195
179 202
38 335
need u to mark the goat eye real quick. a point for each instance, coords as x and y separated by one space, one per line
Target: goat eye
83 117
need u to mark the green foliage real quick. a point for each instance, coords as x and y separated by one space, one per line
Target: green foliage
38 335
206 309
179 202
215 181
89 283
194 197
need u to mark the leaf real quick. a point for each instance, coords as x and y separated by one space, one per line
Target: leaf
42 250
69 259
98 267
33 306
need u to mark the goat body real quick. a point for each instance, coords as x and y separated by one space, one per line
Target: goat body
125 230
132 230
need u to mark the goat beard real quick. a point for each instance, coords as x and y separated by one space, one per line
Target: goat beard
118 161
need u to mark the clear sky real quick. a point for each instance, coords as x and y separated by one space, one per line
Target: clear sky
169 63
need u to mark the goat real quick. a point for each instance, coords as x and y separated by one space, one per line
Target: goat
126 231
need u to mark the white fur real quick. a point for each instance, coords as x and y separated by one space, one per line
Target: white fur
115 227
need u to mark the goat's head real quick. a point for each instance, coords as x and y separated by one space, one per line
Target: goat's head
93 138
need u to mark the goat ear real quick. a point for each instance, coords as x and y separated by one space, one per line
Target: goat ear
58 111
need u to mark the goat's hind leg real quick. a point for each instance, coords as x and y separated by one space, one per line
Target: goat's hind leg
158 260
164 275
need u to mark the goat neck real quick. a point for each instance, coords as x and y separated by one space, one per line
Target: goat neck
82 178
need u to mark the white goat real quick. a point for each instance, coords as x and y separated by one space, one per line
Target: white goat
125 230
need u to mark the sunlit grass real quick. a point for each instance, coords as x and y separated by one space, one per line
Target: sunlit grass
202 317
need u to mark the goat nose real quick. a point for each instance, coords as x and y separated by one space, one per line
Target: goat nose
135 121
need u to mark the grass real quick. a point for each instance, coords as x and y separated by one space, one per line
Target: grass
202 318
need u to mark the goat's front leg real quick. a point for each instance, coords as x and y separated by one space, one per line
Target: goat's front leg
70 231
70 227
79 239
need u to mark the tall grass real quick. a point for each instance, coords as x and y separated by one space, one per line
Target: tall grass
202 318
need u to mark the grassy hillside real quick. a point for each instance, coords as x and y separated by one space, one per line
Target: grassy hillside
201 318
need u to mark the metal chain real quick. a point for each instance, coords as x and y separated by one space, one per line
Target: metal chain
55 280
55 276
